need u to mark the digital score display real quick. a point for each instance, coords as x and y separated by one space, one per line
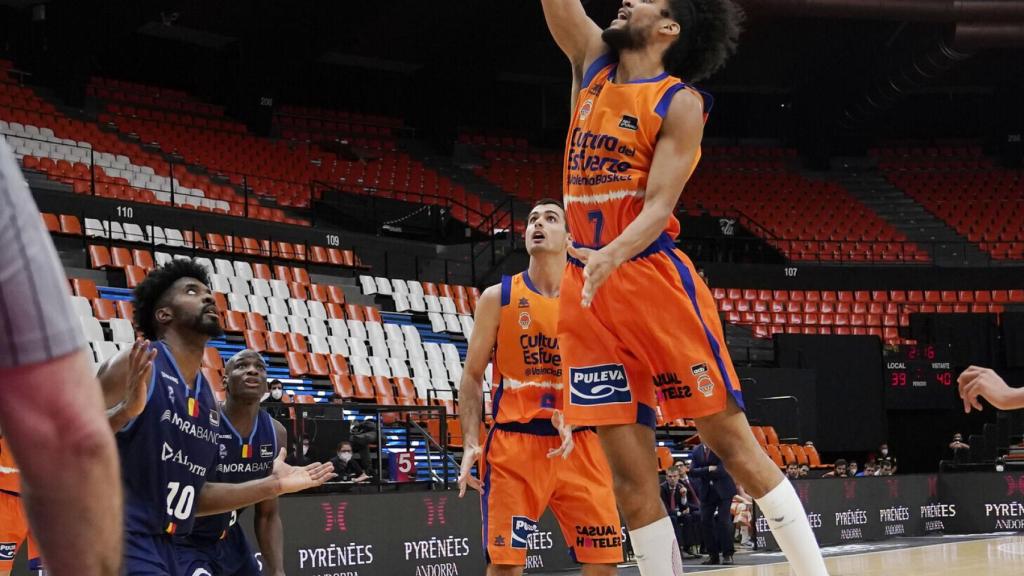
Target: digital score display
919 377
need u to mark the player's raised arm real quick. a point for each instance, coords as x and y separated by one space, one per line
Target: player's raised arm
574 32
481 346
125 380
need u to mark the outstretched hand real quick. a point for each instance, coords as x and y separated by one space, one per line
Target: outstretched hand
295 479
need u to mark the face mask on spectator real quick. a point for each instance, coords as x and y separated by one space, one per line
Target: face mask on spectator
344 455
276 393
305 448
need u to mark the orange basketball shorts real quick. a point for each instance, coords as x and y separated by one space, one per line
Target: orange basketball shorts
651 337
14 531
520 482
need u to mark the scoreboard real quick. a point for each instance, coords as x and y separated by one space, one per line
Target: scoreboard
919 377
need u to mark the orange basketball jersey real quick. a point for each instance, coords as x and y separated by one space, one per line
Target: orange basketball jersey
527 363
10 478
608 154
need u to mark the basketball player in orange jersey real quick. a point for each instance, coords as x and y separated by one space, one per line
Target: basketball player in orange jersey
13 521
531 458
637 325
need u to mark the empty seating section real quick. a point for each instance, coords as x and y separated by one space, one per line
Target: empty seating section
878 312
84 156
283 170
362 130
806 220
528 174
956 183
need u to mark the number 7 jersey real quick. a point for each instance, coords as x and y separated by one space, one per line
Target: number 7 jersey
608 154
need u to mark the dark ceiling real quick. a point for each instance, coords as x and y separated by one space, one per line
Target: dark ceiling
494 62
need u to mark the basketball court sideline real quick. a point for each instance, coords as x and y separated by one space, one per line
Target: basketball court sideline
988 556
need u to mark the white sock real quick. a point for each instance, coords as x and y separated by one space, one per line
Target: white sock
788 521
656 551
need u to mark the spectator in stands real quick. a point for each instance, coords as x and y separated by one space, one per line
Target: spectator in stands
851 469
958 444
869 469
703 276
792 471
691 527
676 496
364 434
805 469
276 391
883 454
742 512
888 468
303 454
718 489
347 469
838 471
978 382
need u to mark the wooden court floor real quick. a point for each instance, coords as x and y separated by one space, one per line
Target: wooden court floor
988 557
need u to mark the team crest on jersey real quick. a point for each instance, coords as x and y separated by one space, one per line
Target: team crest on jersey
170 393
524 320
705 384
524 302
214 417
586 108
266 451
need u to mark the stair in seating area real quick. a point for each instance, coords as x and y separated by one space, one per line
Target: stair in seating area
945 246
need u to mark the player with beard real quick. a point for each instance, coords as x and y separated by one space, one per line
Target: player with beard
166 422
637 326
249 440
519 464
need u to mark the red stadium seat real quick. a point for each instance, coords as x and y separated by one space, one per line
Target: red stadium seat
343 386
364 388
297 364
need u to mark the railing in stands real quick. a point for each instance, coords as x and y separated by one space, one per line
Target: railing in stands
98 180
267 250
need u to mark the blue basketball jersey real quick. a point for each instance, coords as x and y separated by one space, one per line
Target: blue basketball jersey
241 460
168 451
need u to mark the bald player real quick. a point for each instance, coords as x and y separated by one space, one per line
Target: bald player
249 440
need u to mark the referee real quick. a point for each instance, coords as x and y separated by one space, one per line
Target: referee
51 409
